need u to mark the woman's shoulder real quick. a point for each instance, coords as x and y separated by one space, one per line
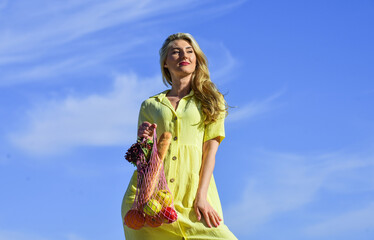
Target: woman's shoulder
155 98
158 96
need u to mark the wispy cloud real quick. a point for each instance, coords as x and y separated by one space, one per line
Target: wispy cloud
35 40
73 236
57 23
222 62
94 120
360 219
75 62
220 9
286 182
254 108
39 42
14 235
18 235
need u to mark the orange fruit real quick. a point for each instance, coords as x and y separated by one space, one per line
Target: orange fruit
153 221
134 219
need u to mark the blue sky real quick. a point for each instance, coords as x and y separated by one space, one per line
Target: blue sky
298 158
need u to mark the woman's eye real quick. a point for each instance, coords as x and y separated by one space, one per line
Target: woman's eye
174 52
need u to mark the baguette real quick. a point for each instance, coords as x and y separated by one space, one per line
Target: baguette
152 176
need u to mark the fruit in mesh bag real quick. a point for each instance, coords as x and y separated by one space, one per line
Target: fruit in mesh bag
134 219
169 214
152 207
153 221
164 197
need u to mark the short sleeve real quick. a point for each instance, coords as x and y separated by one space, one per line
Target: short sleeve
144 114
215 129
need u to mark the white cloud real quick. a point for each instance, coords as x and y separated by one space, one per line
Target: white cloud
39 42
351 221
73 63
13 235
222 9
73 236
223 62
253 108
18 235
95 120
58 23
286 182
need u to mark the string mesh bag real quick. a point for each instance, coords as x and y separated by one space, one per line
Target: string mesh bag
153 204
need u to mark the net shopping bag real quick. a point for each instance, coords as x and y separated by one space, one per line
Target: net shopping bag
153 204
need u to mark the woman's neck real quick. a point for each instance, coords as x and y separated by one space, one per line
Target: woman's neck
180 87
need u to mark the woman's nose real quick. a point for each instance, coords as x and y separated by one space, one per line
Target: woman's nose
183 55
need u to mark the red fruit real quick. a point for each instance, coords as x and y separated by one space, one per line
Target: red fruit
169 214
134 219
153 221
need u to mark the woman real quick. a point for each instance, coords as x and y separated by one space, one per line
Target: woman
193 110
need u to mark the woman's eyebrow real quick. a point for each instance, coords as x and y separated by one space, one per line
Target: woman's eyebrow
178 48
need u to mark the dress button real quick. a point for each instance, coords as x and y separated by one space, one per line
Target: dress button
174 158
175 138
172 179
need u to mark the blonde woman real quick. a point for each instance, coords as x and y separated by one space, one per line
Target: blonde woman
193 110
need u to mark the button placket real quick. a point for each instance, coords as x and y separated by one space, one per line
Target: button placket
175 144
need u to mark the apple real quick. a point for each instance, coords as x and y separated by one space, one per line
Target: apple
169 214
165 198
152 207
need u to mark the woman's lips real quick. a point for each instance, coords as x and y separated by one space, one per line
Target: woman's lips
184 63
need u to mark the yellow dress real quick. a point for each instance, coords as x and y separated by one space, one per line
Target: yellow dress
182 166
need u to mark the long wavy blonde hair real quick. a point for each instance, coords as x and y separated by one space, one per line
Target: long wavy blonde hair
212 101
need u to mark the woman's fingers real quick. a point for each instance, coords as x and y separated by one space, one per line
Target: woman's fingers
198 215
146 130
207 218
204 209
145 125
153 126
217 218
216 215
142 129
213 219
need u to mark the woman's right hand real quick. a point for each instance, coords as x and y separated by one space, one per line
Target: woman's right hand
146 130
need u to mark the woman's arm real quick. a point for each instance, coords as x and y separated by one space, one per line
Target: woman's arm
201 203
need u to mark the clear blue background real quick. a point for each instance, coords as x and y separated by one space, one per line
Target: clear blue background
298 158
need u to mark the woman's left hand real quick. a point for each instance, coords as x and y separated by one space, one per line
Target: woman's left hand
202 206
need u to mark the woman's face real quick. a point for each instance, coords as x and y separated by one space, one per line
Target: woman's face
180 59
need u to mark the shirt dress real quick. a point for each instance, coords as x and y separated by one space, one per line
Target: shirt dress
182 166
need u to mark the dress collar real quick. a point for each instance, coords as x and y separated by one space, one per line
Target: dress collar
162 95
